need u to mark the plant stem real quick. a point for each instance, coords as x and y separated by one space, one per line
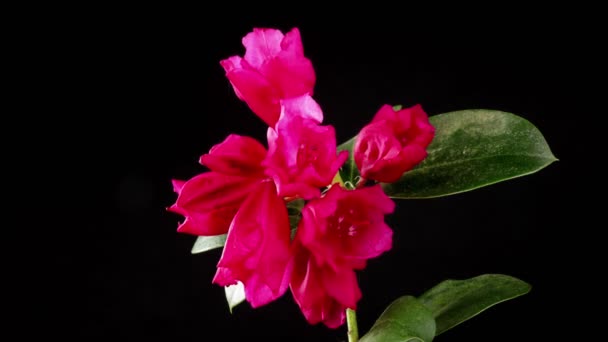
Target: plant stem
351 323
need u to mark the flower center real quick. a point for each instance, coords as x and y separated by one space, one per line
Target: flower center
346 224
308 153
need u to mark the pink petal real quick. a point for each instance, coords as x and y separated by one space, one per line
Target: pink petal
308 287
261 45
302 106
257 247
334 314
213 222
177 185
385 112
236 155
261 96
210 200
232 63
299 190
342 286
293 76
292 43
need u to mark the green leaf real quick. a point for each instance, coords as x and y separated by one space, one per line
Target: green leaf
235 295
472 149
454 301
349 172
294 209
207 243
404 320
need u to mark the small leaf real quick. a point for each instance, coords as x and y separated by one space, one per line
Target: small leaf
235 295
349 171
294 209
472 149
404 320
293 222
207 243
454 301
295 206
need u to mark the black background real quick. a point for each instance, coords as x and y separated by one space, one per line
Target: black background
157 99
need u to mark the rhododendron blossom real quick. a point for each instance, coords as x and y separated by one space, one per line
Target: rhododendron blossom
338 233
246 191
346 227
302 154
273 68
301 215
393 143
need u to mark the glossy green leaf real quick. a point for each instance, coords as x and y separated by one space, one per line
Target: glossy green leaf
454 301
472 149
404 320
235 295
207 243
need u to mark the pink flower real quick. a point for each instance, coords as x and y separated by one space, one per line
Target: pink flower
301 153
210 200
347 227
337 234
323 294
257 248
273 68
393 143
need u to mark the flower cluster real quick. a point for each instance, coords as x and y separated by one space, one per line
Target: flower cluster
248 188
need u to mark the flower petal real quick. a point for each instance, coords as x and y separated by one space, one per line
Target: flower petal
262 44
257 247
292 75
342 286
309 290
210 200
385 112
302 106
236 155
261 96
292 43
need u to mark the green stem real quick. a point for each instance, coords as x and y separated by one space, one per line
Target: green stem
351 323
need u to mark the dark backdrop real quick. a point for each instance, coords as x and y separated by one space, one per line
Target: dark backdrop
161 100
